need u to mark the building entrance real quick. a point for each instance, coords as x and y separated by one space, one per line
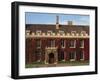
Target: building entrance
51 55
51 58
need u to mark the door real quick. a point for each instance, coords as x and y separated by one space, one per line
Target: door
51 58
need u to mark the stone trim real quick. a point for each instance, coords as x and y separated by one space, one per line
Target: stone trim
49 50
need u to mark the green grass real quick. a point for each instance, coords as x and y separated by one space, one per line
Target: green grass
76 62
34 64
60 63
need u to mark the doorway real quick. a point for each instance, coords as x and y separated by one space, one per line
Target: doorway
51 58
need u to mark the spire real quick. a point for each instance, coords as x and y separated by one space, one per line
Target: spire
57 22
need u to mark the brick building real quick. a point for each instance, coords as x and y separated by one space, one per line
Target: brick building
49 43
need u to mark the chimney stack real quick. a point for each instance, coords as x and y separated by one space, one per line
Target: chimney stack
70 23
57 22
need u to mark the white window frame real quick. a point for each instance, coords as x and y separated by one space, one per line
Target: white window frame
82 44
52 42
74 44
74 57
38 32
39 60
61 32
73 33
64 43
82 55
49 32
40 44
83 33
63 57
27 32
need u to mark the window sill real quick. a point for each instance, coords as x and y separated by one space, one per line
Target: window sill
82 59
81 47
62 47
71 47
72 59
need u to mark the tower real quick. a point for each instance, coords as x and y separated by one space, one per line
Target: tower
57 22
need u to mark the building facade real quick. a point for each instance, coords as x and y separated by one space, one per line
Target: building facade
51 44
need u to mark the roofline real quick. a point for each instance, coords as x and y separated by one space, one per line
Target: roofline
59 24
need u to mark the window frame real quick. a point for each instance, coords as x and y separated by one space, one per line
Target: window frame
74 44
38 54
83 33
61 32
82 52
49 32
73 33
82 41
39 43
63 44
74 56
38 32
52 43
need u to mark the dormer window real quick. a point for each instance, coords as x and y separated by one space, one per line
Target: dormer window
61 32
49 32
73 32
83 32
38 32
27 32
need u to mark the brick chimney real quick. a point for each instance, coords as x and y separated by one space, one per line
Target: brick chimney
70 23
57 22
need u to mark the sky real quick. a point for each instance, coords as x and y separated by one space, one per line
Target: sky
48 18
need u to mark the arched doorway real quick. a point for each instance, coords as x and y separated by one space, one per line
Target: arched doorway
51 58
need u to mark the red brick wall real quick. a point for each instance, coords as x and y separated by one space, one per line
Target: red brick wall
30 48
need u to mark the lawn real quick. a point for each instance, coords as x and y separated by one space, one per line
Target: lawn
60 63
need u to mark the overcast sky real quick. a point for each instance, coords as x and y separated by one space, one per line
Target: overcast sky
47 18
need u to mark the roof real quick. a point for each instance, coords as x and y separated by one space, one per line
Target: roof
52 27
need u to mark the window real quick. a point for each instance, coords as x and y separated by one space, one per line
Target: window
51 43
73 32
61 56
72 43
63 43
38 43
38 32
72 56
38 55
83 32
81 55
27 32
50 32
81 43
61 32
